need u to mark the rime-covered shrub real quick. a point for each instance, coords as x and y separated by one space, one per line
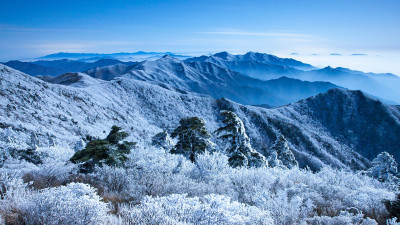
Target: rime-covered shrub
54 170
291 195
179 209
12 191
208 163
327 192
384 168
286 209
75 203
159 173
344 217
118 184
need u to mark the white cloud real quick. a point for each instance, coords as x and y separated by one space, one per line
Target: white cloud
227 31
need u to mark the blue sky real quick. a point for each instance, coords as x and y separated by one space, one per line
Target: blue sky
313 30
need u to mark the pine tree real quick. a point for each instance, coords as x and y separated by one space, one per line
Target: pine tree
112 151
236 142
280 154
193 138
384 167
162 140
116 135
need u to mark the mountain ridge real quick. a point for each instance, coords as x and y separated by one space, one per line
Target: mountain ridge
210 79
259 65
31 106
59 67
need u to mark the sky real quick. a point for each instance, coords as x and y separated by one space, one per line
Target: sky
359 34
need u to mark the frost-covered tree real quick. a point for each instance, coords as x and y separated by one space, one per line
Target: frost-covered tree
193 138
280 154
236 142
112 151
384 167
162 140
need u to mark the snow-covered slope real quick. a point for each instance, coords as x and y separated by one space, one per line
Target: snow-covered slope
210 79
34 112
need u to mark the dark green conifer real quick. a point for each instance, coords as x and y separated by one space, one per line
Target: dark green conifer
193 138
111 151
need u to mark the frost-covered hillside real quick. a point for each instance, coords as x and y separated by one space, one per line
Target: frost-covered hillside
34 112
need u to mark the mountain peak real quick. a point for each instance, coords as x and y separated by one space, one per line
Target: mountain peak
169 58
335 94
223 55
72 79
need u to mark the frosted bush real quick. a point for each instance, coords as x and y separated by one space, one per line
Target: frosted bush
207 164
344 218
115 179
179 209
161 173
285 209
170 189
55 169
13 191
292 195
75 203
118 184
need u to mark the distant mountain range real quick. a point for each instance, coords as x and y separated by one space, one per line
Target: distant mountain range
58 67
210 79
266 67
252 62
339 127
260 66
131 56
